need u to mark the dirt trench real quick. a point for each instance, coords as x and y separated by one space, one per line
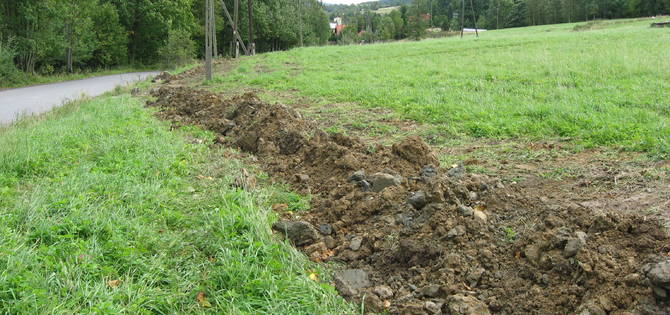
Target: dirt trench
419 238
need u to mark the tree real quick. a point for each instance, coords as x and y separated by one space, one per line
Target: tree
111 39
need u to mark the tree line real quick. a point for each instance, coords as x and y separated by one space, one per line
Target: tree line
412 18
52 36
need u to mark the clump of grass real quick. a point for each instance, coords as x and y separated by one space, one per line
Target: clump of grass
510 234
98 217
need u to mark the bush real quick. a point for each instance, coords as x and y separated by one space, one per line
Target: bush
179 49
9 74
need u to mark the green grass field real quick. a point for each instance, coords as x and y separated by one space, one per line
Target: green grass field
105 210
605 85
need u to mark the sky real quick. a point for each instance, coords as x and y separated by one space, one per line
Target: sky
345 1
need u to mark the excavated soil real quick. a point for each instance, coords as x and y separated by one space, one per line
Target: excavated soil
434 239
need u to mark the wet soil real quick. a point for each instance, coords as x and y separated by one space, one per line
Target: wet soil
432 238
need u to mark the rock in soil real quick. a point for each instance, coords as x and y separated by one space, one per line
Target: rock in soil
456 231
380 181
326 229
417 200
357 176
298 232
383 291
432 307
355 243
432 290
573 246
659 273
348 282
457 172
459 304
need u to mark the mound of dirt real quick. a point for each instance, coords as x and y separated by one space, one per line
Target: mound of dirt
420 239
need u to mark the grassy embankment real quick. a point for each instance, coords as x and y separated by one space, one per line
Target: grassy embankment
105 210
607 84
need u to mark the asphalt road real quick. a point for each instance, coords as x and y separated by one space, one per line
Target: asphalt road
38 99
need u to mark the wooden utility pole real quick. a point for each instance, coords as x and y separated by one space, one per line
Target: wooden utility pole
214 46
236 13
208 39
252 45
462 16
474 17
300 20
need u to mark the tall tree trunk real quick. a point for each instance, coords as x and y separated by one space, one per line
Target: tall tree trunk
69 49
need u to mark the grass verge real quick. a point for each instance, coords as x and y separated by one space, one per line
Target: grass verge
105 210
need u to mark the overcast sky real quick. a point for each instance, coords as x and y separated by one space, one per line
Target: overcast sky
345 1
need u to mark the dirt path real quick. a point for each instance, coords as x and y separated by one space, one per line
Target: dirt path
420 236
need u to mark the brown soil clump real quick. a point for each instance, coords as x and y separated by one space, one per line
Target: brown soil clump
420 239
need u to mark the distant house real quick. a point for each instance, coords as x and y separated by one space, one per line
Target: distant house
336 27
339 29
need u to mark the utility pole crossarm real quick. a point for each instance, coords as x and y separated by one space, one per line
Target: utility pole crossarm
230 20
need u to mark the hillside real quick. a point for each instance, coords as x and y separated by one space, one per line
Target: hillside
598 83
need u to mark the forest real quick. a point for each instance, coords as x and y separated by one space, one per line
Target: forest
61 36
55 36
413 17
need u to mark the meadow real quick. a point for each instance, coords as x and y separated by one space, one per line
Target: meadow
603 83
105 210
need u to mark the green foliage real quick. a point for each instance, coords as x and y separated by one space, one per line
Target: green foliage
179 50
100 192
8 71
112 41
510 234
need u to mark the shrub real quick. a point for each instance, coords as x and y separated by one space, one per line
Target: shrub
179 49
9 74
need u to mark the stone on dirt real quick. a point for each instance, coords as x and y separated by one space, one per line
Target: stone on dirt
432 307
380 181
658 275
298 232
383 291
431 290
466 211
460 304
457 172
574 245
348 282
417 200
357 176
355 243
330 242
479 215
428 171
326 229
456 231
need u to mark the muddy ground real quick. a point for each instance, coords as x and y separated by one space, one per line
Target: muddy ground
417 237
